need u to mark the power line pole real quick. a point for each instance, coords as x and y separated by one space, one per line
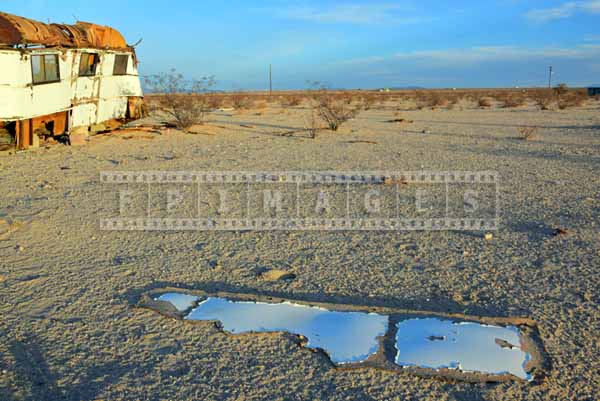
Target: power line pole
550 79
270 80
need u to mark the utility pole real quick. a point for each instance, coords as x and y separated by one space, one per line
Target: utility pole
550 79
270 80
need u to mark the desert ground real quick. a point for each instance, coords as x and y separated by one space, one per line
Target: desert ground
71 329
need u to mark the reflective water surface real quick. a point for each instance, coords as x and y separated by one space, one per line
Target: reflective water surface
181 302
351 337
347 337
470 347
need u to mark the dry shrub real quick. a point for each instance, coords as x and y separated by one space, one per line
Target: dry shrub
528 133
572 99
214 101
333 110
436 99
290 100
185 101
368 100
561 90
543 98
261 104
485 102
241 101
311 123
512 101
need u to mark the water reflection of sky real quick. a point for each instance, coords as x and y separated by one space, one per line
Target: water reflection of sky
350 337
181 302
346 336
472 347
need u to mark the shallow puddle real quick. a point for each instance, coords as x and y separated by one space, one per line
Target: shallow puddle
470 347
353 337
181 302
347 337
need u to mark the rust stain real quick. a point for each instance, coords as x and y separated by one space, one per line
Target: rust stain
136 108
15 30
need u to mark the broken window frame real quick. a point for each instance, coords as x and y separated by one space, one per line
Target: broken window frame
42 58
121 71
89 72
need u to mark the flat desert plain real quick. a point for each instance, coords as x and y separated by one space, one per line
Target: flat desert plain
71 328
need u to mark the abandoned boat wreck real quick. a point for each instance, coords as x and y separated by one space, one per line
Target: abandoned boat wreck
63 81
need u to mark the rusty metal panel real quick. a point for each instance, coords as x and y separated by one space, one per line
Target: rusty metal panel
15 30
136 108
59 120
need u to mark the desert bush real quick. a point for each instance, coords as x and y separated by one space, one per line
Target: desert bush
290 100
512 101
260 104
241 101
528 133
543 98
561 90
368 100
437 99
485 102
183 100
572 99
333 110
214 101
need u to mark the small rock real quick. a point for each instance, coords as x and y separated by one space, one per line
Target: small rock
277 275
559 231
408 247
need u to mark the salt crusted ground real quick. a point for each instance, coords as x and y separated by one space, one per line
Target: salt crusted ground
68 329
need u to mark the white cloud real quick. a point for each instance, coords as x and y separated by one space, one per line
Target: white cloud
477 55
565 10
352 14
592 6
548 14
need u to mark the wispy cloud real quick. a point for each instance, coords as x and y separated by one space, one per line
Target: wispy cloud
352 14
478 55
564 10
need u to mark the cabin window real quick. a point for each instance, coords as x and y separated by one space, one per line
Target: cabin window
88 64
121 63
44 68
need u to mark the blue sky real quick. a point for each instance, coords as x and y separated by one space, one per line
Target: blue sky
351 44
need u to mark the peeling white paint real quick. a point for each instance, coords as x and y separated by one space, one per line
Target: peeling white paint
91 100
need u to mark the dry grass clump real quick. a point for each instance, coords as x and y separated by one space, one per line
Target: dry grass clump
241 101
184 101
572 99
485 102
513 100
369 100
437 99
290 100
543 98
528 133
214 102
